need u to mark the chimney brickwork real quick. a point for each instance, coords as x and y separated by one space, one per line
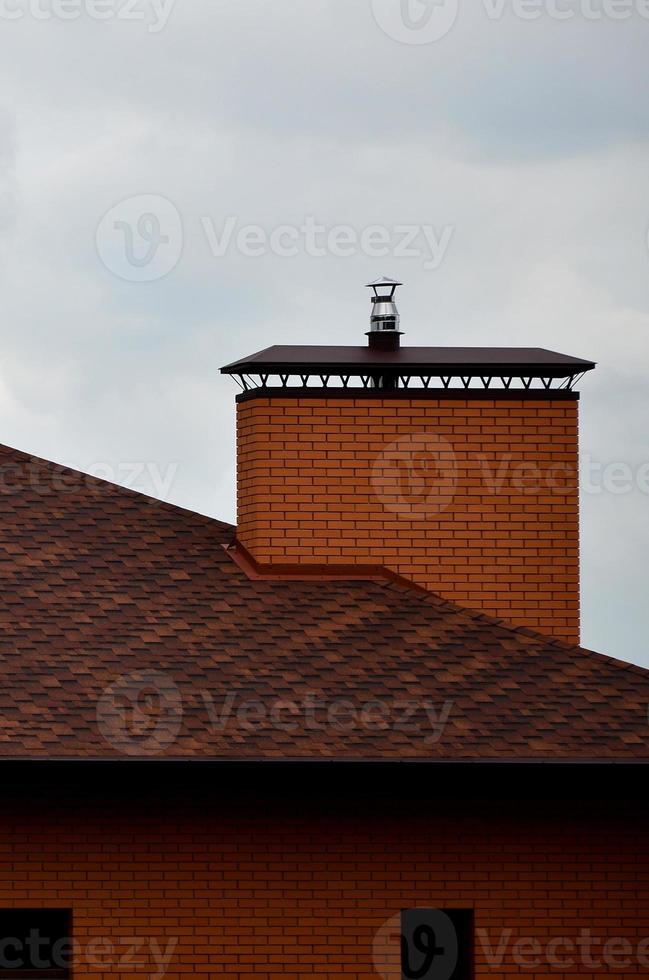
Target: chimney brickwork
453 467
474 498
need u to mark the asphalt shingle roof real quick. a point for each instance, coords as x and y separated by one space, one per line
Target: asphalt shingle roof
127 630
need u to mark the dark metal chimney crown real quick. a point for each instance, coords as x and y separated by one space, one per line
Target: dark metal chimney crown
384 333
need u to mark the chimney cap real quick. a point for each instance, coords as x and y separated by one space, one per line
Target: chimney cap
384 281
513 362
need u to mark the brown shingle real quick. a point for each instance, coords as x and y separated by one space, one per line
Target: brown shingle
99 583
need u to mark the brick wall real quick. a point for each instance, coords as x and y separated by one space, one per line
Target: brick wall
266 894
475 499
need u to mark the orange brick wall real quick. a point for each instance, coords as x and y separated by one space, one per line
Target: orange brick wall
262 894
476 500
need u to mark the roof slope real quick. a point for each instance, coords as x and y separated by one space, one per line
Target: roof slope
127 630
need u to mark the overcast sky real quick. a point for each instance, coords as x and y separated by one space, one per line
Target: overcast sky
511 138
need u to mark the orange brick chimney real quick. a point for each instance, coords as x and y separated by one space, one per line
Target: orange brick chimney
453 467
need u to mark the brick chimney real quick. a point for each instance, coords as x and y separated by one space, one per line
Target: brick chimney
453 467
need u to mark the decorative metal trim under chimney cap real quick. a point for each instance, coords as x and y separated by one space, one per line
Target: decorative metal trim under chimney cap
434 369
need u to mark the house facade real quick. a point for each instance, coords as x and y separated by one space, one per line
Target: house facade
354 736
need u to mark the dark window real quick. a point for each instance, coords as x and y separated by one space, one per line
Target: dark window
35 943
437 944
